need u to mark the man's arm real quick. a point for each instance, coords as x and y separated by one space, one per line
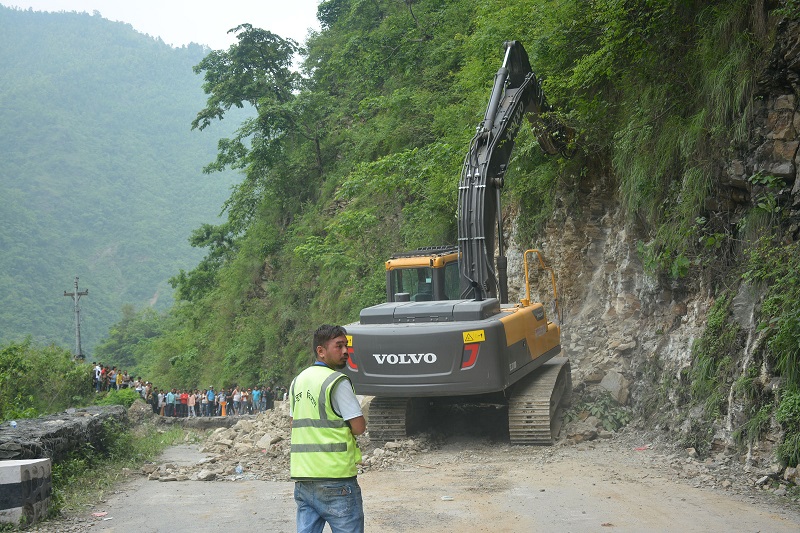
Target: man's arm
358 425
345 403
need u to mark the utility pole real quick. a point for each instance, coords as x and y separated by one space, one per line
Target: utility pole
76 296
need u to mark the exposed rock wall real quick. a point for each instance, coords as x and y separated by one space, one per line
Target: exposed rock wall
775 129
632 334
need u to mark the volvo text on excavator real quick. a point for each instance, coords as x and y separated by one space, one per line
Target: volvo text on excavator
447 333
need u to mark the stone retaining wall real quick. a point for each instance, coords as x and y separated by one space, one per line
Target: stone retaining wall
54 436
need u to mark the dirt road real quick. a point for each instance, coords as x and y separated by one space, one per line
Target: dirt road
469 484
567 489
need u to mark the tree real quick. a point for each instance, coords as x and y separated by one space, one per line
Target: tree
128 336
255 72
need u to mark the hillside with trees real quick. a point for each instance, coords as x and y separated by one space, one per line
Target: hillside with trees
101 174
674 228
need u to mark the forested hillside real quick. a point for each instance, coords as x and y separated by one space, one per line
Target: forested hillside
673 229
359 155
101 174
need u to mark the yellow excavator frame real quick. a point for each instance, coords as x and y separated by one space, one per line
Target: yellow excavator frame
527 300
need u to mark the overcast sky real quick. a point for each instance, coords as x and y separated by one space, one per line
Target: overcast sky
180 22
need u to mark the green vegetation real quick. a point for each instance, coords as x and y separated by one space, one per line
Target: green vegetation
604 407
698 436
128 341
677 121
102 177
788 415
712 370
758 405
777 267
37 380
124 397
40 380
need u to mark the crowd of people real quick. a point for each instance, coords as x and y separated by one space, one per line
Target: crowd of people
190 403
225 402
105 378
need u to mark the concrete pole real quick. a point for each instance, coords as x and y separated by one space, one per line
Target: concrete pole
76 296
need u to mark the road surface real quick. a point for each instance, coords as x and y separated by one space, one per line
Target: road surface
469 484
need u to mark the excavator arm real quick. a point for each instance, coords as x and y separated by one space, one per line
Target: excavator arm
516 93
442 337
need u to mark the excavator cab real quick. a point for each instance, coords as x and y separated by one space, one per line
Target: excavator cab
423 275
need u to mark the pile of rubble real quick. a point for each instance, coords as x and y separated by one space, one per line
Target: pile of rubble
257 447
724 469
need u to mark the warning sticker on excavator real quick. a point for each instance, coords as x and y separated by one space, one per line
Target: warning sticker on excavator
349 340
476 335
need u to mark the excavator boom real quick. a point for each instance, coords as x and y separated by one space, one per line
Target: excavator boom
446 331
516 93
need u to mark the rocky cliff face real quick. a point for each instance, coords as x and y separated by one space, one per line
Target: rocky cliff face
631 333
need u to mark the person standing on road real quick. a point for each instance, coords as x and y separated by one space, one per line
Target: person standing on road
222 399
152 399
245 405
98 373
212 406
191 400
237 401
204 404
170 399
325 418
256 401
270 398
183 400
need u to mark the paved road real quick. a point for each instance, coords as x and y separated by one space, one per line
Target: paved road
194 506
467 488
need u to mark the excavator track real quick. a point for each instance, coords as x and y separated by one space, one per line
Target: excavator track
388 419
536 406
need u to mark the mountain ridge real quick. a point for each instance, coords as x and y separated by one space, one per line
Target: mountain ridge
102 177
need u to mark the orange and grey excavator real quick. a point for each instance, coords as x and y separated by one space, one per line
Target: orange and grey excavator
447 333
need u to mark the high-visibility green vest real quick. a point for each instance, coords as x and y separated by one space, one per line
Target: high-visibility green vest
322 444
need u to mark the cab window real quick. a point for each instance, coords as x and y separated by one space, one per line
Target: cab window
415 281
452 281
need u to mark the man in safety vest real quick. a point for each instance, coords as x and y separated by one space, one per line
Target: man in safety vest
326 416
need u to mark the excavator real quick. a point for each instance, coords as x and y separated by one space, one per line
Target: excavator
447 334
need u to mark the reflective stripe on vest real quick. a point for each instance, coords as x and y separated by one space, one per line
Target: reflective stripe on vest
335 447
322 444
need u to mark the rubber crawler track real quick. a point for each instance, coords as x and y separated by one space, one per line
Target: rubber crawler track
535 408
388 419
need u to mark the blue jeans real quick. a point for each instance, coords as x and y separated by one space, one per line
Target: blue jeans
337 502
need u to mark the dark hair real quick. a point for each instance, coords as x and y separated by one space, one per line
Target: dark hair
325 333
